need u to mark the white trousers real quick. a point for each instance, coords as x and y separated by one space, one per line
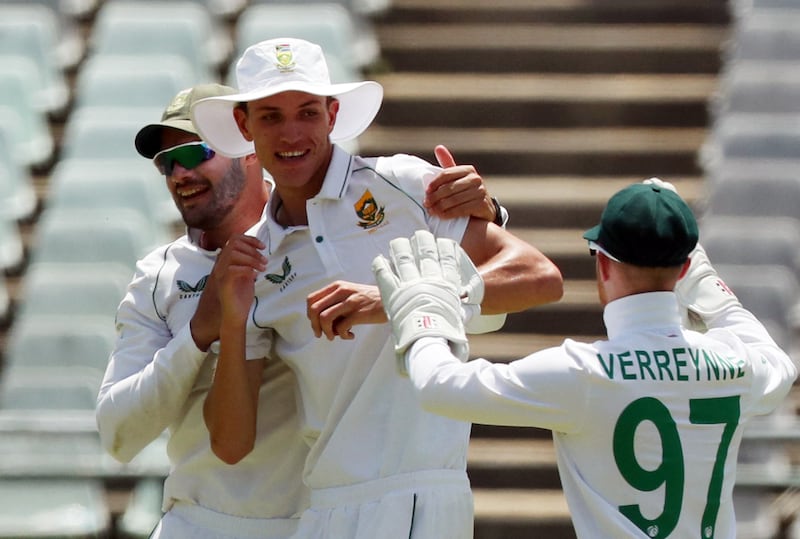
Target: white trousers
184 521
435 504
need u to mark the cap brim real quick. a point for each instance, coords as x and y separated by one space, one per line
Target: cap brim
593 234
148 139
359 103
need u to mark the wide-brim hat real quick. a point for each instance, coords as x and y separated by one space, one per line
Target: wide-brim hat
282 65
177 115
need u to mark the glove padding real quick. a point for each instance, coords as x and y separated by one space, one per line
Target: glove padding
702 294
421 286
660 183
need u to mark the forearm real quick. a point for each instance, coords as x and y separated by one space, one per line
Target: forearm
144 391
230 409
518 277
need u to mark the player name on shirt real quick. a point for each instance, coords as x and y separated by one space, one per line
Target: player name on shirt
676 364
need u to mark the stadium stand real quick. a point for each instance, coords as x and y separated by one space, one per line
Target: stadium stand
526 63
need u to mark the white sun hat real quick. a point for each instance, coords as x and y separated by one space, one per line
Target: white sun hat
281 65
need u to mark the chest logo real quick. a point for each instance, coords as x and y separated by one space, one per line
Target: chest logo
188 291
284 278
370 214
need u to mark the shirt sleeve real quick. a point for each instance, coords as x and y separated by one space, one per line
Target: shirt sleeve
772 366
542 390
149 376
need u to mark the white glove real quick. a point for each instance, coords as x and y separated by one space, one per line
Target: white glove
421 287
660 183
702 294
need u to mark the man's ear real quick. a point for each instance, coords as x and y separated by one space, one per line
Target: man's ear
685 267
603 266
241 122
333 111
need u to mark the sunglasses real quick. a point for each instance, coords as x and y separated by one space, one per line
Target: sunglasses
187 155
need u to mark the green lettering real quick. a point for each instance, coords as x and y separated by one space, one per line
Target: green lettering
608 367
696 362
662 361
624 363
711 365
679 363
644 364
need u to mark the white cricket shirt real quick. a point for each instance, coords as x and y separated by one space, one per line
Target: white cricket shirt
360 416
157 379
647 424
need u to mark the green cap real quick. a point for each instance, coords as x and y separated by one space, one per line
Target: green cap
646 225
177 116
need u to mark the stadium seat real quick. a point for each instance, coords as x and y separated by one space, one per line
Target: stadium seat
366 8
12 251
757 87
133 184
32 31
26 125
752 136
752 240
144 28
99 236
766 35
761 190
53 509
88 289
143 511
114 81
106 132
344 41
771 293
43 340
18 199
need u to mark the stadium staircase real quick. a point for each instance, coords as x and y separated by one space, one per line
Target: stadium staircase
558 103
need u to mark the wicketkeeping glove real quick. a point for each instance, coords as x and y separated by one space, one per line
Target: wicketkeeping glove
421 288
702 294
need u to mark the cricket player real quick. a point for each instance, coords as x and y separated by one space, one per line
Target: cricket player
378 465
647 423
165 358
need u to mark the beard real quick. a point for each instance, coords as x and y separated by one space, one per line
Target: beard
224 196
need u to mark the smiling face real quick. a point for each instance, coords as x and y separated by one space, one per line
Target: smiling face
290 132
207 193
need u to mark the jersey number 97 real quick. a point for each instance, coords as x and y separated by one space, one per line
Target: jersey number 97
671 472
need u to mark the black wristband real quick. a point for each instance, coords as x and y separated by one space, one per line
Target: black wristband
498 213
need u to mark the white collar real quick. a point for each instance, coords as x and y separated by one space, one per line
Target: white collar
641 311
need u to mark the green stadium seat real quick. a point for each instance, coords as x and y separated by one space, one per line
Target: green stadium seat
40 508
33 31
143 511
154 28
109 80
26 125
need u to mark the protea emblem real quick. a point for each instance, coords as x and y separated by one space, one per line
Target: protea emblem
283 53
368 211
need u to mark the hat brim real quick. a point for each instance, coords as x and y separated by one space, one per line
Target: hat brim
593 234
358 105
148 139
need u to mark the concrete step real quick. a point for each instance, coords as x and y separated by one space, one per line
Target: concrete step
625 151
569 201
551 48
521 514
561 11
545 100
512 463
